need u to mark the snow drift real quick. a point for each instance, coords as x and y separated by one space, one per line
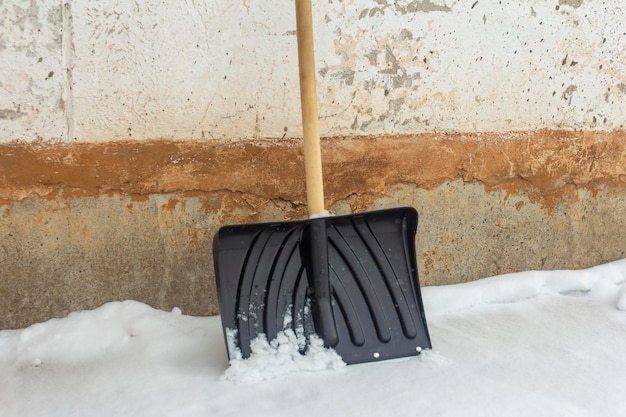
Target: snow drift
532 343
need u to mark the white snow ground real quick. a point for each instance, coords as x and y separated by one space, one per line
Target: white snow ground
526 344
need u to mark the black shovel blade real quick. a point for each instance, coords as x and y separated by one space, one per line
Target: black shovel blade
351 279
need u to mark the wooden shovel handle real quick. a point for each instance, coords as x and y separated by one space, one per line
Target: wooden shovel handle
308 98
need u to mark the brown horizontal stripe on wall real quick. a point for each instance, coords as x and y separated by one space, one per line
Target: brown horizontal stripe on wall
544 164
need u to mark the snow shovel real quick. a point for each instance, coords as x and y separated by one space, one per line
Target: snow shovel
351 280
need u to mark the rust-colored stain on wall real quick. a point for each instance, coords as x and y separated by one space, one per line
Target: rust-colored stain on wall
545 165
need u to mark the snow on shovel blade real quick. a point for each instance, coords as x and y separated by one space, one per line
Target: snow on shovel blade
350 279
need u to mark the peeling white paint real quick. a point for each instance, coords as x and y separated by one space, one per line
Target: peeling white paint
214 69
484 66
31 70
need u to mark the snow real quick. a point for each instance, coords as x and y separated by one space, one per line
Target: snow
281 356
525 344
621 298
321 215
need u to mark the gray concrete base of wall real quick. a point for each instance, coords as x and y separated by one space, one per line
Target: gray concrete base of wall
63 255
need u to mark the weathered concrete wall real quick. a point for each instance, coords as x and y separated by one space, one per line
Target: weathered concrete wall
88 223
101 70
130 131
32 83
